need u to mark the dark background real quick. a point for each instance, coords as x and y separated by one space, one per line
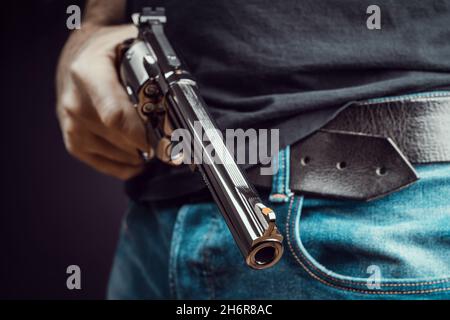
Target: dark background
54 210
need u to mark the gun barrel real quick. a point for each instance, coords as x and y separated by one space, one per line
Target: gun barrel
150 62
251 223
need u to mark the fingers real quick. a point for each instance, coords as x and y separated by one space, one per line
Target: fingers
100 126
100 153
112 136
112 106
100 82
110 167
98 145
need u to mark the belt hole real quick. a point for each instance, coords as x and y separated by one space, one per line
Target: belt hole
341 165
305 160
381 171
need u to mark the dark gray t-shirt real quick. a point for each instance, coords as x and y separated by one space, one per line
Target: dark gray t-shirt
293 64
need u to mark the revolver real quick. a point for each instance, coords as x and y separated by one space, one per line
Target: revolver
166 97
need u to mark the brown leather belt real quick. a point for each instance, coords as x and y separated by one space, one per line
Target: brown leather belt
368 150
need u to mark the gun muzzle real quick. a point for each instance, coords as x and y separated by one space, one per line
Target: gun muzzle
268 249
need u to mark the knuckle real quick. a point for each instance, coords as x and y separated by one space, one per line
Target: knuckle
113 116
69 107
76 68
136 161
80 65
71 141
70 130
123 176
127 173
71 147
119 174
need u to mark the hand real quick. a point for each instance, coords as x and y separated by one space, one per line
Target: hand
99 125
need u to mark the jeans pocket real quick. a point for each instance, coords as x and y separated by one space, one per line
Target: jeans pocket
394 246
205 262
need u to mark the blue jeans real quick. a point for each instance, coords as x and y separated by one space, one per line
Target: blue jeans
397 247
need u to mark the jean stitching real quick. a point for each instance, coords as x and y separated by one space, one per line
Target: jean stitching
287 173
174 250
313 275
280 185
275 195
275 178
207 272
397 284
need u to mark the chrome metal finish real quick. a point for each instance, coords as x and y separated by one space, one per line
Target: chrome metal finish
150 61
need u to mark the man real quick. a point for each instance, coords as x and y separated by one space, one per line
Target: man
297 66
